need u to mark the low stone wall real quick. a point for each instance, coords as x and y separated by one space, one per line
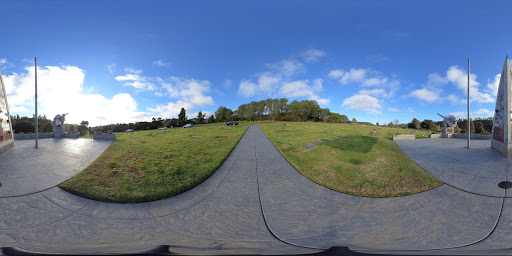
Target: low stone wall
32 136
473 136
6 145
72 135
435 135
404 136
104 136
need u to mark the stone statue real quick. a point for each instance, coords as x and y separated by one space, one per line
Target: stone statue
58 120
58 125
449 122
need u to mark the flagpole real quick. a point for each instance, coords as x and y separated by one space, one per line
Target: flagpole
37 122
469 125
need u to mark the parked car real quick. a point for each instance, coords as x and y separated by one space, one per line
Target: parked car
231 123
163 128
188 126
129 130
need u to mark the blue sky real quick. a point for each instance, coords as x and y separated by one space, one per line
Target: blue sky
377 61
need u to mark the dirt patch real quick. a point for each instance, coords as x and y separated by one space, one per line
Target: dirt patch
221 137
136 172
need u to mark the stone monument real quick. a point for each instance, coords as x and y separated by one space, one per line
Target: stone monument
501 130
58 125
6 135
449 123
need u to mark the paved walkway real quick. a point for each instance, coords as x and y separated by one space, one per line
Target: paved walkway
258 203
25 170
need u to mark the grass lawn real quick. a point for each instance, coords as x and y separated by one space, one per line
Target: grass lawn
138 167
358 164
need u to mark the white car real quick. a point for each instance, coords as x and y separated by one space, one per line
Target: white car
163 128
129 130
188 126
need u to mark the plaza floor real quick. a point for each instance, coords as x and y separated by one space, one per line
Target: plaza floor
257 203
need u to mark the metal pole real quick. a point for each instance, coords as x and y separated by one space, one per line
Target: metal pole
37 122
469 125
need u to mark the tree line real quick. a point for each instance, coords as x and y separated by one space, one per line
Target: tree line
269 109
479 125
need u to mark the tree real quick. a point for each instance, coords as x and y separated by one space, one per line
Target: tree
211 119
24 126
182 117
479 127
396 122
377 124
354 120
223 114
200 117
83 127
464 126
415 124
47 128
391 125
428 124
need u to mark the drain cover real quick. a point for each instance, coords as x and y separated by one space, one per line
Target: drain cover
505 184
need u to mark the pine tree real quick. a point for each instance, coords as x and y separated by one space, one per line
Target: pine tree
182 117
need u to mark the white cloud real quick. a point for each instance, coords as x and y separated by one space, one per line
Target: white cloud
190 94
435 79
410 110
133 78
5 64
296 89
455 100
160 63
374 92
494 85
459 77
393 109
425 94
336 73
302 88
247 89
484 113
313 55
278 80
286 68
353 75
365 103
60 90
375 81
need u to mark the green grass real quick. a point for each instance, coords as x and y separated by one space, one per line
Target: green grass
140 167
358 164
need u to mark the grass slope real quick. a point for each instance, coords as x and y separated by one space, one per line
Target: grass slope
358 164
140 167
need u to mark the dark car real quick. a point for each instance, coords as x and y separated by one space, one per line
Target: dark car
231 123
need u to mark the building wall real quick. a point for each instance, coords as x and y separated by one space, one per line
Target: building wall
6 135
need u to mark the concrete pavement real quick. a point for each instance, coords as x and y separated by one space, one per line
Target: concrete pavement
257 203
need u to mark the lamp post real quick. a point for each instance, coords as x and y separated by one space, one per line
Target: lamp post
469 125
37 121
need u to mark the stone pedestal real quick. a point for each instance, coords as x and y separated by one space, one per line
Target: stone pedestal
58 131
448 132
501 130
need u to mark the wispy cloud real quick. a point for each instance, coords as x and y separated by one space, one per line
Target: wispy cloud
160 63
313 55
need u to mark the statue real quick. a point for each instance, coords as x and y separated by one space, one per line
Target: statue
58 125
449 122
58 120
